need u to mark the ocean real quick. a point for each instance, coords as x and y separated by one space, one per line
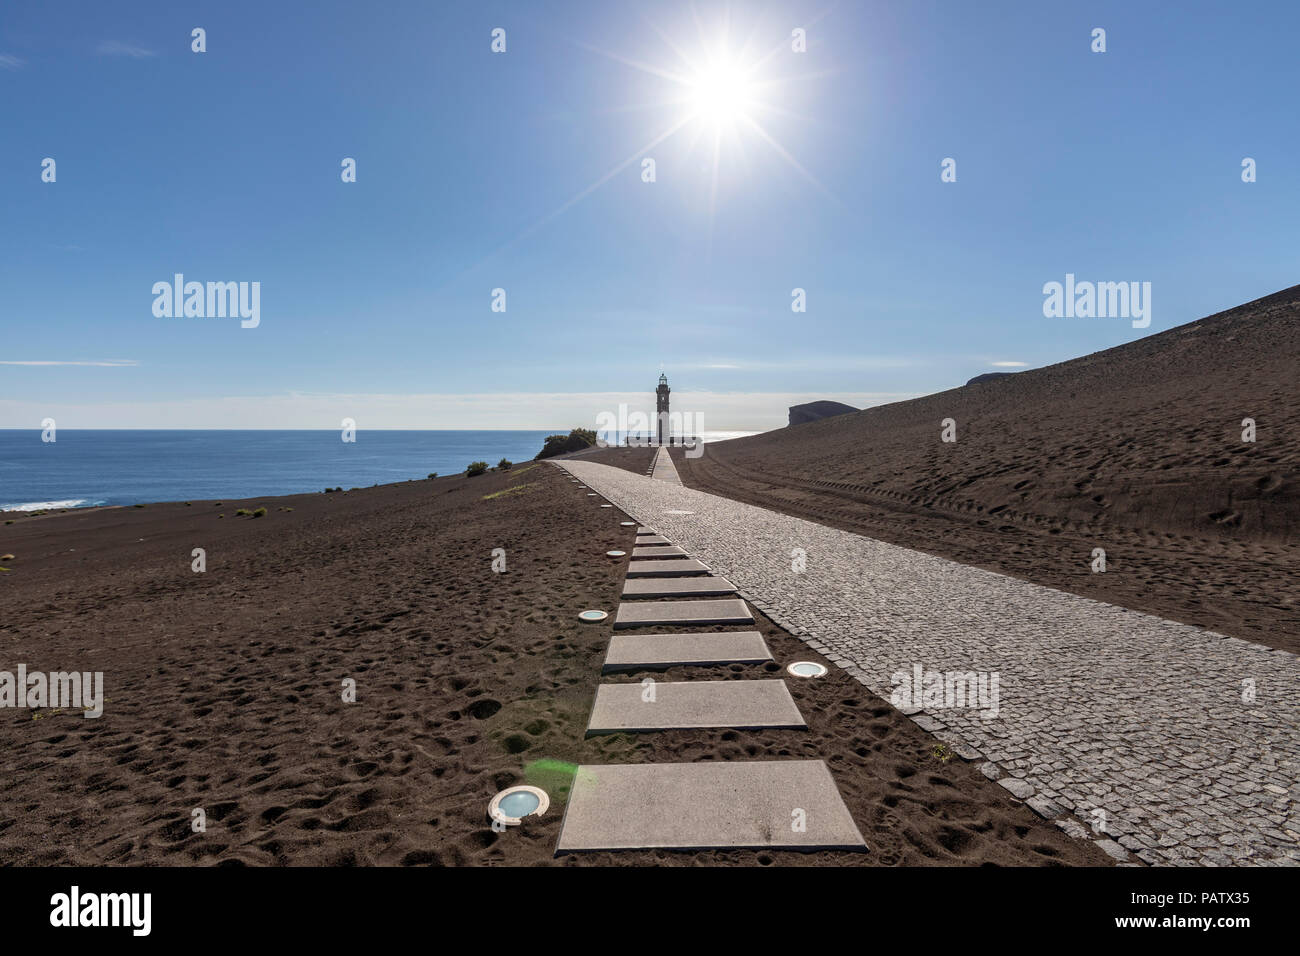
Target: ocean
83 468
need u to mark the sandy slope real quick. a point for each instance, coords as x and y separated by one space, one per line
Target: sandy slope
1137 450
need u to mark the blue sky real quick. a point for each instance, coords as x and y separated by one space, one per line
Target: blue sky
476 170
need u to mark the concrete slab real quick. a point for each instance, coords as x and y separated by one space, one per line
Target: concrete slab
677 587
689 705
651 539
644 530
657 551
635 651
674 613
670 568
748 804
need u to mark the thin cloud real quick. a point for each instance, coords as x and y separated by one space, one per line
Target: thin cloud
112 363
118 48
10 62
1009 364
815 363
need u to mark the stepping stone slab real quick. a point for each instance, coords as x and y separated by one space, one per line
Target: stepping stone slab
672 568
692 705
677 587
673 613
632 651
657 551
651 539
644 530
697 806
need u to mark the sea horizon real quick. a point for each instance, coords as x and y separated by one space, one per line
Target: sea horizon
90 467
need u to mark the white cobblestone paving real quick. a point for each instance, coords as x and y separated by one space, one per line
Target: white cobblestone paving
1136 725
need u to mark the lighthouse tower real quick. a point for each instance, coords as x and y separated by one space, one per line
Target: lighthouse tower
661 408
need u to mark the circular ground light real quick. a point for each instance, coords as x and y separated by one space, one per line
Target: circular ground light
807 669
607 506
511 805
628 524
594 615
615 554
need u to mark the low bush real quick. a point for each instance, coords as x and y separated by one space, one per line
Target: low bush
576 440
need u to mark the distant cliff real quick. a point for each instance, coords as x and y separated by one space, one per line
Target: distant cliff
814 411
988 377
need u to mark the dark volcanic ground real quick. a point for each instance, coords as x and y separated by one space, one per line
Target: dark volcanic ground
224 690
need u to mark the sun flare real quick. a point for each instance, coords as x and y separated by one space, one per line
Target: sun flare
725 96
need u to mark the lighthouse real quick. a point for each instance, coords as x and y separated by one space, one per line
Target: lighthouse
661 408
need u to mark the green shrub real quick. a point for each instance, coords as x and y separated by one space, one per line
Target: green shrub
433 474
259 513
476 468
243 512
576 440
505 464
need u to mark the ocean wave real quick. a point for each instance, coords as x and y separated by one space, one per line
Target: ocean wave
51 505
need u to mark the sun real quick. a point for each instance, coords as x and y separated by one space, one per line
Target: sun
720 93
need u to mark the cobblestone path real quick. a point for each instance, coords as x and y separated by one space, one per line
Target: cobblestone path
1178 744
